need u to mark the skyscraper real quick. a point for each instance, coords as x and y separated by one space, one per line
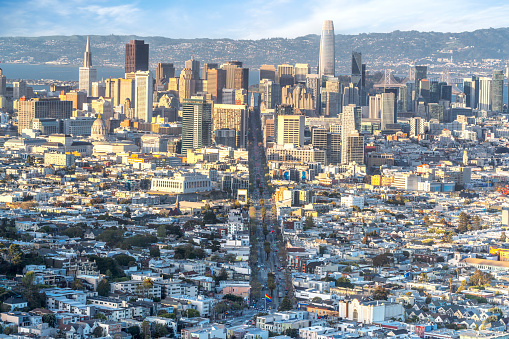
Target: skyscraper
484 94
206 67
301 71
350 123
194 66
326 63
143 96
164 72
387 114
497 96
196 123
290 130
232 117
421 72
268 72
87 74
42 108
136 56
471 90
216 81
3 83
356 69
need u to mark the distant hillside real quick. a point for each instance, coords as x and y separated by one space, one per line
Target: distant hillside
395 50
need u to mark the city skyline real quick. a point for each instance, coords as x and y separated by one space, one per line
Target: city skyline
194 18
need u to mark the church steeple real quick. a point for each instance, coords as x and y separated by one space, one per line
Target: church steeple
88 55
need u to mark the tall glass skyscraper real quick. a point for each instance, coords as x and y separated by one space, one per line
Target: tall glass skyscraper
326 64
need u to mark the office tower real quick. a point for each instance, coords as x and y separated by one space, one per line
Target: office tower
241 78
416 126
353 149
326 63
87 74
164 72
421 72
143 96
285 75
424 90
235 74
268 72
78 98
410 96
387 114
42 108
136 56
282 109
186 84
270 93
357 69
471 90
435 111
445 92
119 90
194 66
233 117
3 84
290 130
216 82
19 89
228 96
375 106
313 83
484 94
301 71
98 89
196 123
319 138
497 96
351 95
299 97
331 98
206 68
241 97
350 123
434 91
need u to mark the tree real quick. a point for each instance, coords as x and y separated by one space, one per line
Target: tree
160 331
161 231
210 217
15 254
266 248
252 212
381 260
343 282
191 313
98 332
271 282
309 223
28 279
155 252
476 223
380 293
134 331
49 319
480 278
100 316
103 288
503 237
365 240
463 222
286 304
317 300
292 332
263 212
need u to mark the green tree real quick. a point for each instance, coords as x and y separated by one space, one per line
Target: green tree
463 223
103 288
381 260
155 252
161 231
209 217
271 282
309 223
503 237
15 254
28 279
343 282
49 319
134 331
380 293
191 313
365 240
100 316
480 278
97 332
160 331
124 259
286 304
263 212
317 300
266 248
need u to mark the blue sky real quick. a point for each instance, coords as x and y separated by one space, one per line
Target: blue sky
244 19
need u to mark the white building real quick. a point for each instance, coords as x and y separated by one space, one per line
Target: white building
369 312
182 182
350 201
143 96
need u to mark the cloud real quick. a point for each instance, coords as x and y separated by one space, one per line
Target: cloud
253 19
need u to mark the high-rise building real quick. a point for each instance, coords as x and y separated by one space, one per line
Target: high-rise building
270 93
228 96
313 83
42 108
186 84
87 74
268 72
207 67
216 82
120 90
353 149
471 90
387 113
351 95
3 83
301 71
194 66
357 69
326 63
484 94
497 95
350 123
421 72
331 98
196 123
416 126
435 111
19 89
236 76
143 96
290 130
233 117
136 56
164 72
